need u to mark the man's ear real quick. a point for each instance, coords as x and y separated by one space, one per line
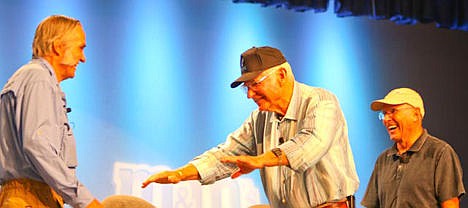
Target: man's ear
282 73
57 47
418 114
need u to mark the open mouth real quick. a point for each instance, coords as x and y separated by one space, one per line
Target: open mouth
392 127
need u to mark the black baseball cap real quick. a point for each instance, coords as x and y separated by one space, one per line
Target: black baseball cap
256 60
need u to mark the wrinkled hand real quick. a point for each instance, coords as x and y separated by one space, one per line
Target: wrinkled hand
95 204
246 164
164 177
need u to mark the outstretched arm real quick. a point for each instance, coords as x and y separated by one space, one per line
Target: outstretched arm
187 172
247 164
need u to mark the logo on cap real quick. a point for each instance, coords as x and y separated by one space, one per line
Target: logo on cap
243 66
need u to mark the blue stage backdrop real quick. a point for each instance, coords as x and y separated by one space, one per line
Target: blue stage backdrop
155 92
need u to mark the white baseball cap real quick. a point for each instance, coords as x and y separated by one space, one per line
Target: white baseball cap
400 96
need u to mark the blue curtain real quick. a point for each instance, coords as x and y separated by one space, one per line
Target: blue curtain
450 14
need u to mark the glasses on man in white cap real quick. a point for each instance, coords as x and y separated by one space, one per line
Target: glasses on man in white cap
391 112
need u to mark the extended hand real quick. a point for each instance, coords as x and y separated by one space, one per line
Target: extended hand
164 177
246 164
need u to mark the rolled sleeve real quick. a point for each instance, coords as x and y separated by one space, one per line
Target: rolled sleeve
205 170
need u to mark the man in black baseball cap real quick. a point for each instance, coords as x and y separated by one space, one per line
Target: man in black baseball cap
297 138
256 60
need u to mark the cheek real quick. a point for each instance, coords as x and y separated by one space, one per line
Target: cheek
273 94
77 54
265 95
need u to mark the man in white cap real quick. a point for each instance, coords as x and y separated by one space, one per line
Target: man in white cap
419 170
297 138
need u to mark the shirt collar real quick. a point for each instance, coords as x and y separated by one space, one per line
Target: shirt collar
416 147
46 65
291 113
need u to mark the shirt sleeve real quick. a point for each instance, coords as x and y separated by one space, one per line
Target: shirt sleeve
43 132
239 142
322 124
448 175
371 197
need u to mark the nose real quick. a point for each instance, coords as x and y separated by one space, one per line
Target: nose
83 57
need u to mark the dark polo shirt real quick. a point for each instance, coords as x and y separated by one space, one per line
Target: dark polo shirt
425 176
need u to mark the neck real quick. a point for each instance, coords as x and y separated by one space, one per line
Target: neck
407 141
54 63
285 99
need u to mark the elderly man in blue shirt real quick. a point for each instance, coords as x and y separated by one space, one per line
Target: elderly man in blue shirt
37 147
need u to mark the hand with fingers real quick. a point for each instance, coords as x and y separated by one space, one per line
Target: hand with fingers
187 172
164 177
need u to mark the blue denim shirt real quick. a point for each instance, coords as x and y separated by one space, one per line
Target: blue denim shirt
36 141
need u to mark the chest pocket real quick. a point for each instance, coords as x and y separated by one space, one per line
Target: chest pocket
68 147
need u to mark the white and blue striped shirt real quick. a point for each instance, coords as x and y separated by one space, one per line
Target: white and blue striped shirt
314 137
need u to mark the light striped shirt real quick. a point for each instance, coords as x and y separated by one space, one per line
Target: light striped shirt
321 165
36 141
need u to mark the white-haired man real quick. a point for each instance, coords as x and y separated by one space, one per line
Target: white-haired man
37 146
297 137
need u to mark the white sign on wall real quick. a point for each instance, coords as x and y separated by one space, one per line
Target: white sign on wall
227 193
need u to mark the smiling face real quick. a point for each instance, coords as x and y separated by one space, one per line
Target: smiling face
71 53
60 40
401 121
266 91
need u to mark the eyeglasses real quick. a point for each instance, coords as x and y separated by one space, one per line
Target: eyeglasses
390 112
254 84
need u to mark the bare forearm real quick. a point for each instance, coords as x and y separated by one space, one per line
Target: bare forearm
188 172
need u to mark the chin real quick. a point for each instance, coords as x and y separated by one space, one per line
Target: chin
264 109
72 74
261 106
395 138
69 77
